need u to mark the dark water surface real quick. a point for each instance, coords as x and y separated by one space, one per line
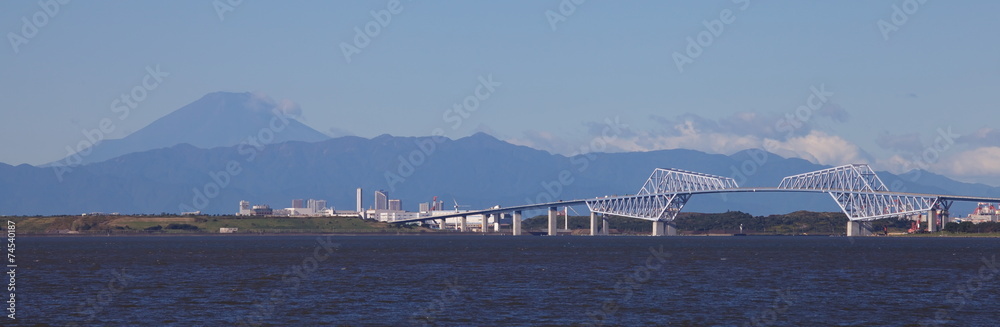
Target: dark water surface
503 281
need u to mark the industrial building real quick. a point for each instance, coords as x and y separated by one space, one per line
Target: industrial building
256 210
381 200
385 210
985 212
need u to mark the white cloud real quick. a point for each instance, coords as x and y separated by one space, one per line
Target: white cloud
749 131
818 147
984 161
543 140
690 137
696 133
289 108
261 101
896 164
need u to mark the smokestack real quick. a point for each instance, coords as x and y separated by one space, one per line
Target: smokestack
361 206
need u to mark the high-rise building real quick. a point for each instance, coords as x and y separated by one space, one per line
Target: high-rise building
381 200
425 207
395 205
316 205
361 207
245 209
297 203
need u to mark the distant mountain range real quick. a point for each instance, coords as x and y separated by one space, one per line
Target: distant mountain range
479 171
217 119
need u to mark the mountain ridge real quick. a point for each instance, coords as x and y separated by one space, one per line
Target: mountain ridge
479 171
226 147
214 120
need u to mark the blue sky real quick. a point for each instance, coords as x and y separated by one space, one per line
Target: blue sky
889 99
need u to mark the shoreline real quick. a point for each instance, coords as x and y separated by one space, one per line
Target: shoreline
419 234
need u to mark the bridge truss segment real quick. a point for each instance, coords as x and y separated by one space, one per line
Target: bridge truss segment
662 197
860 193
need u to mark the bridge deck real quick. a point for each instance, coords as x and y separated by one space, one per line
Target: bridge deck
730 190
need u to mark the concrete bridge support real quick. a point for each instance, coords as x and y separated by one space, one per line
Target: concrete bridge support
658 227
664 228
593 223
462 224
516 223
604 226
932 221
859 228
552 220
496 221
442 224
853 228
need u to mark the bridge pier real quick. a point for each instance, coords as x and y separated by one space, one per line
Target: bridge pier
932 219
462 226
859 228
442 225
516 223
593 223
604 227
496 221
664 228
552 220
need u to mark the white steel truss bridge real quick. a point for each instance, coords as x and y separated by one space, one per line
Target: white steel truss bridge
856 189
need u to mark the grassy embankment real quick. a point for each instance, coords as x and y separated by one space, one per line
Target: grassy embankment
201 224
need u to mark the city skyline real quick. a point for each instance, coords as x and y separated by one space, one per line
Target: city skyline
897 85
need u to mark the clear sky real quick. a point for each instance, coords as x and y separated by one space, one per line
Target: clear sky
561 70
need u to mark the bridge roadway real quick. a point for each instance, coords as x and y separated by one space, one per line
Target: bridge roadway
542 206
854 227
